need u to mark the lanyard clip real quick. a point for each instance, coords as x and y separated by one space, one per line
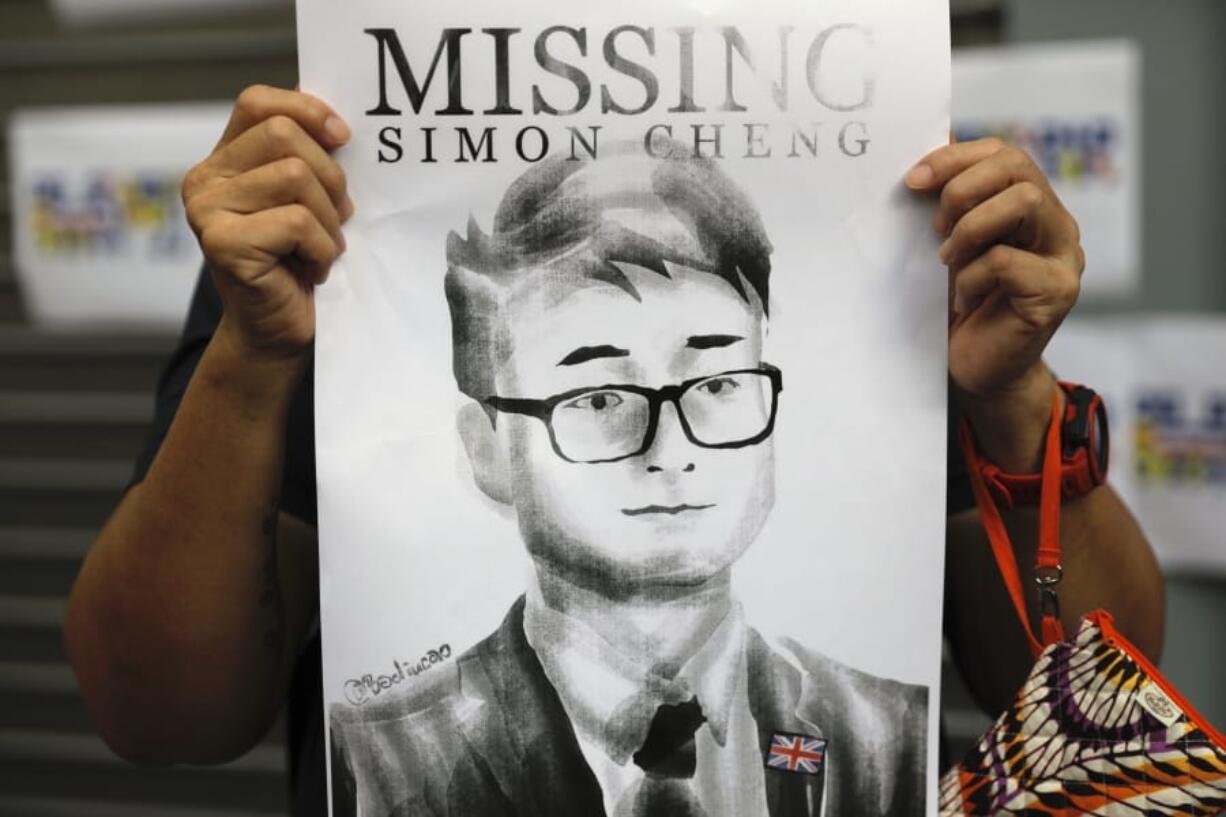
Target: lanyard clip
1047 578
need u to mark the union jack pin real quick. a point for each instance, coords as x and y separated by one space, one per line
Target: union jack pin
796 753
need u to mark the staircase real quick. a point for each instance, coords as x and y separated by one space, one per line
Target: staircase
74 412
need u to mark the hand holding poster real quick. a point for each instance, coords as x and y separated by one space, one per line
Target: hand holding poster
1075 108
636 337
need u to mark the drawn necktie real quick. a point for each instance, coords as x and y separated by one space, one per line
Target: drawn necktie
668 758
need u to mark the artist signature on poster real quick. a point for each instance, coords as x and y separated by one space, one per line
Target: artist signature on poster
360 690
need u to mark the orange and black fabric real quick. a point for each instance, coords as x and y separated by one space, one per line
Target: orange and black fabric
1096 729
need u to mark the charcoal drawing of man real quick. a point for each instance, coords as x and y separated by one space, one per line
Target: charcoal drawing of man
609 332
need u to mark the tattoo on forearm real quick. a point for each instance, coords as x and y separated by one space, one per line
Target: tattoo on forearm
271 597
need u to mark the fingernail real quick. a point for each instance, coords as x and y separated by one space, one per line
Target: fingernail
959 305
946 250
341 242
347 208
919 176
337 130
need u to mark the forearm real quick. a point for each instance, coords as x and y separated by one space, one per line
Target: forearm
1108 564
177 625
1107 560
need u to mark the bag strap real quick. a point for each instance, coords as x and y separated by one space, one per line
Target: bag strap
1048 570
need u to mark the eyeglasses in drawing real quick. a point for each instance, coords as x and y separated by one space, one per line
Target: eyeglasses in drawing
609 423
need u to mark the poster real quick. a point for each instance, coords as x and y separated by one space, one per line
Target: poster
630 405
99 233
1075 107
1164 381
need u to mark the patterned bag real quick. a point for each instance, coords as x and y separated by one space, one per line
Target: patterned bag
1096 729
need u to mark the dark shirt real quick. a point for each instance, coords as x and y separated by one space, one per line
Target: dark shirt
305 704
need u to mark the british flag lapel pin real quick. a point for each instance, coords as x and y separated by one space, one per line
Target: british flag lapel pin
796 753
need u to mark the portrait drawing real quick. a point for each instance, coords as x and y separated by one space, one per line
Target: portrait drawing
608 337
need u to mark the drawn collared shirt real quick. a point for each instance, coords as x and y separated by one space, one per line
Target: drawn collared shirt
611 698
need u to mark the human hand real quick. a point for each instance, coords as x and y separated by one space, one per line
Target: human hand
1015 263
267 207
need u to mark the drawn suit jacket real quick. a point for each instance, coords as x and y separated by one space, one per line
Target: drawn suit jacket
486 736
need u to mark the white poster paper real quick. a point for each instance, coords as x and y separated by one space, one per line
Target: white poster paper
98 227
630 405
1075 107
1164 382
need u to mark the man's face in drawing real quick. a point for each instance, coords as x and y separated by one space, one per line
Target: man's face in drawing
676 514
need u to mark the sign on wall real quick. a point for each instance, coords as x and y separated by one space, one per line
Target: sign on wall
98 225
1164 380
93 12
1075 107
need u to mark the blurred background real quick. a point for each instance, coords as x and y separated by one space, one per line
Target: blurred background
105 103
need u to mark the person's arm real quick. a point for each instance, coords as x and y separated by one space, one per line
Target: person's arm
189 611
1107 560
1015 264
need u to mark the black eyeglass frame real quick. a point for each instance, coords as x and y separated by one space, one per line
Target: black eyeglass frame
656 398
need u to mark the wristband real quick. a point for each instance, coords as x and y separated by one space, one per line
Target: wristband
1084 454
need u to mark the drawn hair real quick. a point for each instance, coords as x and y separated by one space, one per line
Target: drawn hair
556 224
